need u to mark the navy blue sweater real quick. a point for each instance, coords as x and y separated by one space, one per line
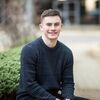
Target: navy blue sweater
44 69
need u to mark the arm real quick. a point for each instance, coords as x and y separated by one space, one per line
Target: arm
67 79
28 82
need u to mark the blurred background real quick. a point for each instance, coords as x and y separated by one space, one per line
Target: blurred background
19 20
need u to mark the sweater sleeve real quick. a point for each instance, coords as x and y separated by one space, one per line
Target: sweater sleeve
28 82
67 78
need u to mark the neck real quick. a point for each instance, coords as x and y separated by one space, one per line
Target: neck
48 42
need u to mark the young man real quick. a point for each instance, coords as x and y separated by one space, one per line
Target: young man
47 64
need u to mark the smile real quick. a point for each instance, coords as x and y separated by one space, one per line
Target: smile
52 32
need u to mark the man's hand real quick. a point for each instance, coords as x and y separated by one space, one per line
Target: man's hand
57 99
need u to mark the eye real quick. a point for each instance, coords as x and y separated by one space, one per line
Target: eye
57 24
49 24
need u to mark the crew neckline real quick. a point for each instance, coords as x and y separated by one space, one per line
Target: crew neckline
45 46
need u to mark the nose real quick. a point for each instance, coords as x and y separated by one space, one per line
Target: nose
53 27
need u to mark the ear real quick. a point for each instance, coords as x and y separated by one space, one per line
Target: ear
40 26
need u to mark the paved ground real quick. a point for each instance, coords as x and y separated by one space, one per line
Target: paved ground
85 44
86 49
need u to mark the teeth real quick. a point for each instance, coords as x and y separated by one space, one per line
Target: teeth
52 33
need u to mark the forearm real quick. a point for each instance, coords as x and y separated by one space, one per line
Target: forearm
68 87
68 84
68 92
31 87
40 93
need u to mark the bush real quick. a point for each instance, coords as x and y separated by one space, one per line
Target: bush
9 71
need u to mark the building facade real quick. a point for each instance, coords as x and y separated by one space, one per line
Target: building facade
79 11
72 11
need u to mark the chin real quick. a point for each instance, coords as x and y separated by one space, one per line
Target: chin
53 38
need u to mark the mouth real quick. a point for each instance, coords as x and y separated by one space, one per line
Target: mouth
52 33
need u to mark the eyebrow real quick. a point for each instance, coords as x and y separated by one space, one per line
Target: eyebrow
49 23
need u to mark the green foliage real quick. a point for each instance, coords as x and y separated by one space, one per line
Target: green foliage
9 71
25 40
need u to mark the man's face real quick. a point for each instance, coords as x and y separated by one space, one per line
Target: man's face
51 27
